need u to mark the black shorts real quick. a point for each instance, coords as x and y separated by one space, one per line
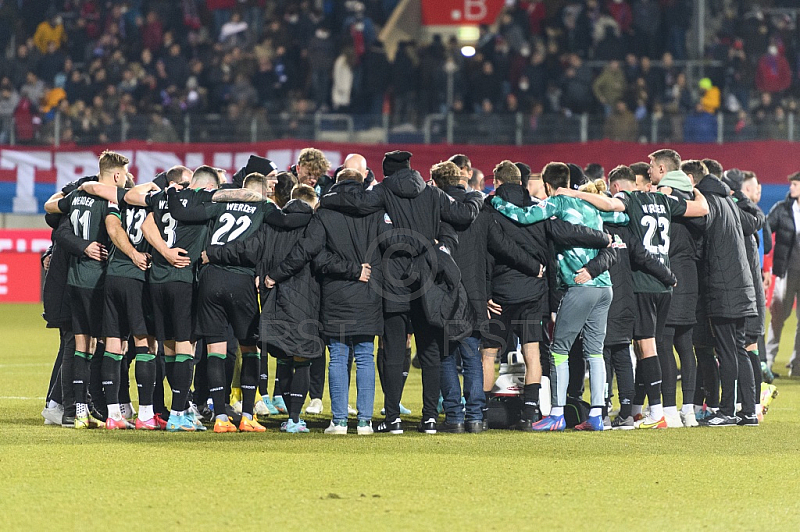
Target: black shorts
521 319
651 310
226 298
173 311
124 307
86 306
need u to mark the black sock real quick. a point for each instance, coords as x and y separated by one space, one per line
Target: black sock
263 375
283 380
640 390
181 381
158 391
109 373
81 374
125 377
95 382
531 398
249 381
145 375
651 370
300 384
216 382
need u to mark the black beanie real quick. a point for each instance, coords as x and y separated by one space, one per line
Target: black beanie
733 178
394 161
576 176
524 173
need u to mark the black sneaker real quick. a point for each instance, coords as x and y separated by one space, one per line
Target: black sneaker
524 425
428 426
474 427
532 413
485 424
451 428
748 421
720 420
387 427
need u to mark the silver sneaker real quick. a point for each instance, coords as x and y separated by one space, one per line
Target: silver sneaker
689 419
52 416
621 423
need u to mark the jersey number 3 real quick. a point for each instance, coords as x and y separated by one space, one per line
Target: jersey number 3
228 222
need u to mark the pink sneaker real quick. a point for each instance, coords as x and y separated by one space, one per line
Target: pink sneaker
113 424
150 424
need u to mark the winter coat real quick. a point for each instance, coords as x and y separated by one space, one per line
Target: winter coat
512 285
444 301
726 283
781 222
474 241
414 212
349 307
289 310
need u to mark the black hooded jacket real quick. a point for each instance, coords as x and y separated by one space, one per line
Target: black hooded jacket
726 283
511 285
349 307
781 222
413 220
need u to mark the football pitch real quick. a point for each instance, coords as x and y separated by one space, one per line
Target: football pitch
680 479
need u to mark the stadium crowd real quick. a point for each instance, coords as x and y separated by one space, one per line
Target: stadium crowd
148 64
198 280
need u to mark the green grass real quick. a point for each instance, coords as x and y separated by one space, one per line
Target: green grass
53 478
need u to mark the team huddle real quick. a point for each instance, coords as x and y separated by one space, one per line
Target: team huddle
199 281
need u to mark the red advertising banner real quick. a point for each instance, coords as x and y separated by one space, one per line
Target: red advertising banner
460 12
20 277
20 264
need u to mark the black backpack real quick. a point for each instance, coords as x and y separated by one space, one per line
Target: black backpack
576 411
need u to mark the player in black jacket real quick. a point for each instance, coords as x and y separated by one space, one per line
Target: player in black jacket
415 212
726 289
351 308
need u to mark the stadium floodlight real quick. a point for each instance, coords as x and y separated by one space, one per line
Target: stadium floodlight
467 51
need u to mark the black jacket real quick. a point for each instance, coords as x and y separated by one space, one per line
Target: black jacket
290 310
629 254
65 243
509 283
753 220
726 283
349 306
414 212
683 255
781 222
474 240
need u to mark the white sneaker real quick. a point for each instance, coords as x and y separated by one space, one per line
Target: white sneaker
674 422
365 428
351 411
336 429
127 411
315 407
261 409
689 419
193 410
237 407
52 416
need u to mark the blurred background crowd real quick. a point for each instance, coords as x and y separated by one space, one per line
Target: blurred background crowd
136 69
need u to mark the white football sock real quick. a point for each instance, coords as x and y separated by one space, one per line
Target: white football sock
656 411
146 412
114 412
671 411
688 408
636 410
557 411
595 412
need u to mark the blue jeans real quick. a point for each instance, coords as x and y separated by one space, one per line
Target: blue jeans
339 380
473 382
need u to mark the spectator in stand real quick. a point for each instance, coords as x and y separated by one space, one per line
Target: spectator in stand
621 125
609 86
646 24
50 31
33 90
152 32
9 99
51 63
773 74
321 56
234 32
709 96
577 87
